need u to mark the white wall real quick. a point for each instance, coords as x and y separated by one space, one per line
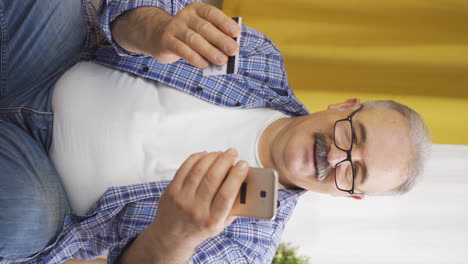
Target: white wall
429 225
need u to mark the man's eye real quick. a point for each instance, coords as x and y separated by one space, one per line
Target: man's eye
355 138
359 175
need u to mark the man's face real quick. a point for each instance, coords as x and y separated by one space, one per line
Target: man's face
380 152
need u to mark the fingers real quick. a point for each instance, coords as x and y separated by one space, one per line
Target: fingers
217 28
197 173
214 177
219 19
226 195
201 47
182 47
209 184
219 41
184 170
207 34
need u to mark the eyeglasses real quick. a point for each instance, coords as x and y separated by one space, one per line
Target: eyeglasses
344 136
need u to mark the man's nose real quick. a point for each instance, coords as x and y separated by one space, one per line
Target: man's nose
336 155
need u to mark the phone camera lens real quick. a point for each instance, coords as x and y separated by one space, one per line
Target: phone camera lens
262 194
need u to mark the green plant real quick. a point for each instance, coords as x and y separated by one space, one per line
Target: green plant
287 254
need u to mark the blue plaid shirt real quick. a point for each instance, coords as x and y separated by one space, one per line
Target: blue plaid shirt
123 212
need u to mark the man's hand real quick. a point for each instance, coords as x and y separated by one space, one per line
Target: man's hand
193 208
198 33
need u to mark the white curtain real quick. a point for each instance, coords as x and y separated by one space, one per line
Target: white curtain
428 225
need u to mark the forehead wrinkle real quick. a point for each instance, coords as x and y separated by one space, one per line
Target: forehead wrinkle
387 162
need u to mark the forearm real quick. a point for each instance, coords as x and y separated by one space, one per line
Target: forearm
134 29
149 249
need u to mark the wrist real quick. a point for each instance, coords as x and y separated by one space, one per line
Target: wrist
134 30
171 248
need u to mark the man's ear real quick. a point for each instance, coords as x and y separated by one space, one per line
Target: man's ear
356 196
350 103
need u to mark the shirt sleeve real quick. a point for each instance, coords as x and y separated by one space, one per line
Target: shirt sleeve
246 241
123 212
109 10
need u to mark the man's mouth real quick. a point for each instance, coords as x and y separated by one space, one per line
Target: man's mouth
314 151
311 158
320 156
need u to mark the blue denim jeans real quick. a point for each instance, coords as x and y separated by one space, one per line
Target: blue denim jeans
39 41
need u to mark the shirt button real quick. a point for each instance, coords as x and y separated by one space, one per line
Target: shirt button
199 89
238 104
145 69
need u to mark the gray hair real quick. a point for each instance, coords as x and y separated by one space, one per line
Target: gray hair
420 139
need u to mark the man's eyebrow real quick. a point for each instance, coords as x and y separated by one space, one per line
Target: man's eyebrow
363 139
364 174
362 128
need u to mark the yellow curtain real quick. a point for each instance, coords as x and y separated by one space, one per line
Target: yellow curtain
411 51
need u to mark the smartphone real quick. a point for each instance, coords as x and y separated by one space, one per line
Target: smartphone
258 195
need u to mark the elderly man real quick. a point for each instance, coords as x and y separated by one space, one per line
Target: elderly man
121 101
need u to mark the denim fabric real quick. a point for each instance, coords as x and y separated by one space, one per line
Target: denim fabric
123 211
39 40
32 201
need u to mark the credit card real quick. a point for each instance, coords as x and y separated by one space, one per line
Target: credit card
233 61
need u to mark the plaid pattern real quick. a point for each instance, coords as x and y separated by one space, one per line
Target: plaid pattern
123 212
261 81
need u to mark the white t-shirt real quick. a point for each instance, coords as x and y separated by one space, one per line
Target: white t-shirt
112 128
